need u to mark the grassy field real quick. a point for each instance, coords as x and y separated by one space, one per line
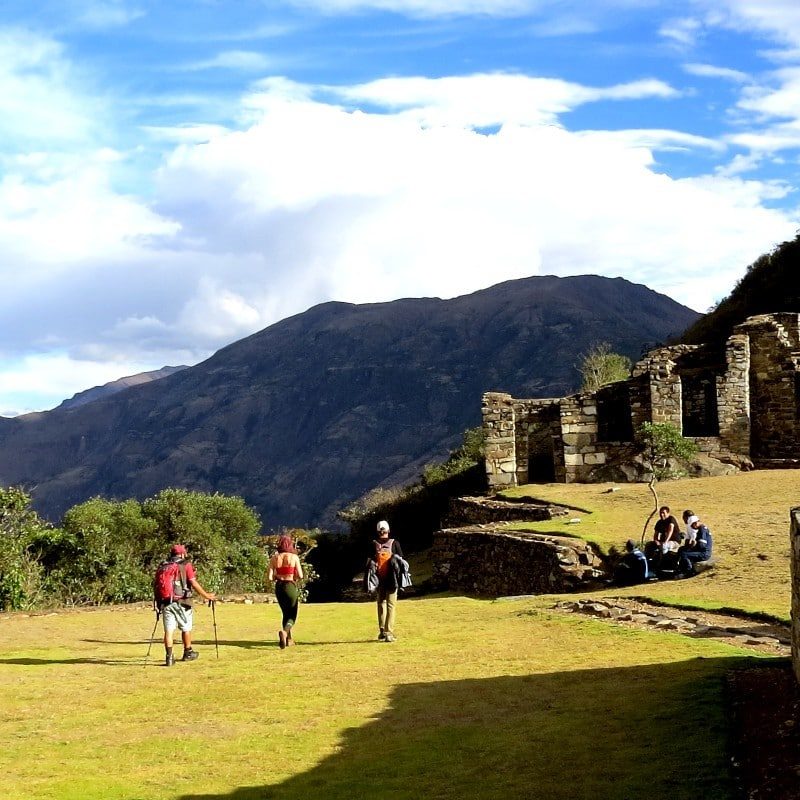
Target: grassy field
748 515
477 699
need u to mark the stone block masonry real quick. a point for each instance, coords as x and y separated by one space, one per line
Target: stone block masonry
740 407
795 535
494 563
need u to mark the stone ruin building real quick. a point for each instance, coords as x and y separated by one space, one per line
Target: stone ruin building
739 404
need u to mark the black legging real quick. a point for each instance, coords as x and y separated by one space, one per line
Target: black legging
288 598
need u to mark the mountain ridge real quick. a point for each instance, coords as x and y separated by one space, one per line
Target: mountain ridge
304 416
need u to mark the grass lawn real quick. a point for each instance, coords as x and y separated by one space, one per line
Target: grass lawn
477 699
748 515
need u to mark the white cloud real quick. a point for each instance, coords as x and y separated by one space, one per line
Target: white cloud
779 19
193 134
41 97
428 8
711 71
362 193
682 32
655 139
372 206
103 14
492 99
72 216
39 381
767 101
240 60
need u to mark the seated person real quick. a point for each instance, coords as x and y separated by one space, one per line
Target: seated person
667 532
698 545
667 536
632 567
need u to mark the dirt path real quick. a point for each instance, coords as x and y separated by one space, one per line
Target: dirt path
765 636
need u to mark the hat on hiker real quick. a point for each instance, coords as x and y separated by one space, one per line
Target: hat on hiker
178 550
383 525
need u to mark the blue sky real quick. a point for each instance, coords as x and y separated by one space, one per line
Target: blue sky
174 176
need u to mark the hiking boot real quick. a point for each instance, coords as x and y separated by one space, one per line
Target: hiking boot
389 637
282 639
169 660
382 636
190 655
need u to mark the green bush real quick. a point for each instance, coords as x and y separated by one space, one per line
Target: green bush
107 551
220 532
22 577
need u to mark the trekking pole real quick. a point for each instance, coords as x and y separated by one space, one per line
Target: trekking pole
152 637
213 604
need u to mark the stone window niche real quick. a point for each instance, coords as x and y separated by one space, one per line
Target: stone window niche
699 404
614 422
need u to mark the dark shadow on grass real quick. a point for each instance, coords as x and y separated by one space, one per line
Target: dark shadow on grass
46 662
621 733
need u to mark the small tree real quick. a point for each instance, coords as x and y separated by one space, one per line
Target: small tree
600 366
658 442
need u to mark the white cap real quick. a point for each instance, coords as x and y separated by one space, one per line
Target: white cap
383 525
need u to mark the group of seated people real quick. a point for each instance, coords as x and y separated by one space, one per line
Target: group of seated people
672 552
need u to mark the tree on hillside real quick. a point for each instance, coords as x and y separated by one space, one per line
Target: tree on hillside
600 366
659 443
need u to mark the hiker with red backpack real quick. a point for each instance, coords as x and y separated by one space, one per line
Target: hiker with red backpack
388 584
174 585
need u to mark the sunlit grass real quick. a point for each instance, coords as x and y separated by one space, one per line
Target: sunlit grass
476 699
748 515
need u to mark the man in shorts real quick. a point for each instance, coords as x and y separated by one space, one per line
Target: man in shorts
176 610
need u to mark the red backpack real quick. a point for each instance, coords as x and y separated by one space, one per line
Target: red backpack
170 584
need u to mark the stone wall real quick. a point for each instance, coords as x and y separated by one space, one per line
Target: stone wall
740 406
795 555
490 563
499 432
464 511
774 386
733 396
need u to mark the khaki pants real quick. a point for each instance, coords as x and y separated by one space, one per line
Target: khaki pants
386 615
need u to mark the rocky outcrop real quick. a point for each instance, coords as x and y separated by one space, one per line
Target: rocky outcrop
490 562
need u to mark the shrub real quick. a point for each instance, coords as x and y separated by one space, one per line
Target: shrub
22 582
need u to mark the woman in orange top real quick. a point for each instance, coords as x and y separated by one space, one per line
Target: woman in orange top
285 570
